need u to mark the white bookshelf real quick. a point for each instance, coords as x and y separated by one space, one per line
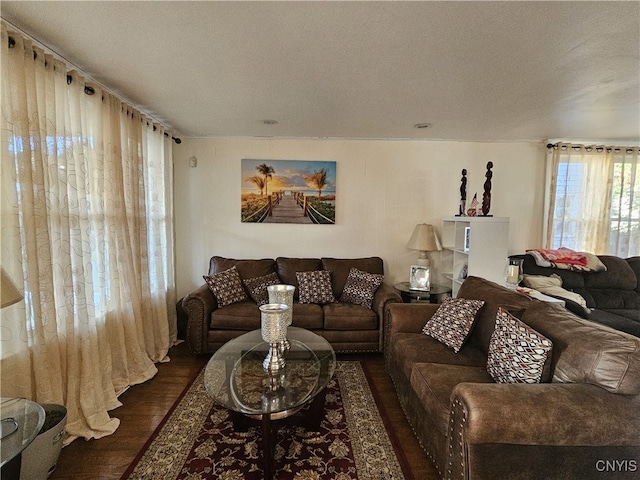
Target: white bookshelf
488 248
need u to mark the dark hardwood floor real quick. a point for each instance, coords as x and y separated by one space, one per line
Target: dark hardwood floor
145 405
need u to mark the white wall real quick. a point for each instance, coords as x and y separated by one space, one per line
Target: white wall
384 188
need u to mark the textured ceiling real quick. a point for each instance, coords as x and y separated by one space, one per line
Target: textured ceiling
477 71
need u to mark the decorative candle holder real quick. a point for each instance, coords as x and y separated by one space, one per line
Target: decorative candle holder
274 334
513 273
283 294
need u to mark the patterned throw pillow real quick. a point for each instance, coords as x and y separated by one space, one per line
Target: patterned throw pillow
452 321
226 286
315 287
517 353
360 287
257 287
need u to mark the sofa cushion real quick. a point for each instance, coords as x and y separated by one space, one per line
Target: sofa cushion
624 320
361 287
347 316
308 315
409 349
615 288
340 268
517 353
226 286
433 384
246 316
286 269
612 298
453 321
315 286
634 263
619 275
631 314
237 316
246 268
257 287
587 352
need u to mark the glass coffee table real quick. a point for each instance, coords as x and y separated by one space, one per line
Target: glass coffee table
235 379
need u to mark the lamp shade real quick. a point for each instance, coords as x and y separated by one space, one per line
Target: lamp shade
8 291
424 239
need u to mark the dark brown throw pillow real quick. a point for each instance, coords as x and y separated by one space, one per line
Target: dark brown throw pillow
226 286
257 287
315 287
361 287
452 322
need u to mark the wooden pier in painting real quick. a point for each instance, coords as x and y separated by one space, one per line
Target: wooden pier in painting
287 211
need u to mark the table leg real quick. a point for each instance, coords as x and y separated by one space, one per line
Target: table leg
310 418
241 423
269 438
315 414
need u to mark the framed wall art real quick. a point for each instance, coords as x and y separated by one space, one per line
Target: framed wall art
288 191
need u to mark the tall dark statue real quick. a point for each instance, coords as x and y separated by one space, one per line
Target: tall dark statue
486 197
463 193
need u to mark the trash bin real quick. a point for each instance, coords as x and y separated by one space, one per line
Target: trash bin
40 457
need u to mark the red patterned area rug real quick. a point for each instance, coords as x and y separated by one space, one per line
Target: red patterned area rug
196 440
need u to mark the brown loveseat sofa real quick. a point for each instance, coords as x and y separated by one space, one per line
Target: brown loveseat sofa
584 424
349 327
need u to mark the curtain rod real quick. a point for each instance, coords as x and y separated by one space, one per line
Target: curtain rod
87 89
589 148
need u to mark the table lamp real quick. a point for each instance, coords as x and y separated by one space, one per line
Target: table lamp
424 239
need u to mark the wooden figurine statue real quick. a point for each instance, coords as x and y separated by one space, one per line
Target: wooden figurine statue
486 197
463 193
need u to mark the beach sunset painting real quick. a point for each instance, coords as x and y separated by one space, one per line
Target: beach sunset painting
288 191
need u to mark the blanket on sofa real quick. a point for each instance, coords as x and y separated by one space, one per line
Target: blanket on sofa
567 259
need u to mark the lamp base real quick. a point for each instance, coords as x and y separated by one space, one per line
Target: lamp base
423 260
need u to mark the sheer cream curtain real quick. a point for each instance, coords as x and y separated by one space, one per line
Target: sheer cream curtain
86 232
580 200
624 235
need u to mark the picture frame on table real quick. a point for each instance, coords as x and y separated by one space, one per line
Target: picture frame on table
419 278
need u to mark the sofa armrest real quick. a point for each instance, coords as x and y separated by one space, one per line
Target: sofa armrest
409 317
385 295
405 318
199 305
548 414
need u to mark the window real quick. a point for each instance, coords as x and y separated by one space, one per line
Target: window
624 234
567 204
595 200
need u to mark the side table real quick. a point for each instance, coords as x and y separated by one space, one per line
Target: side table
434 295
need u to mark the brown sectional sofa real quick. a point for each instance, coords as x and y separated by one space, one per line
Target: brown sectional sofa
348 327
584 424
